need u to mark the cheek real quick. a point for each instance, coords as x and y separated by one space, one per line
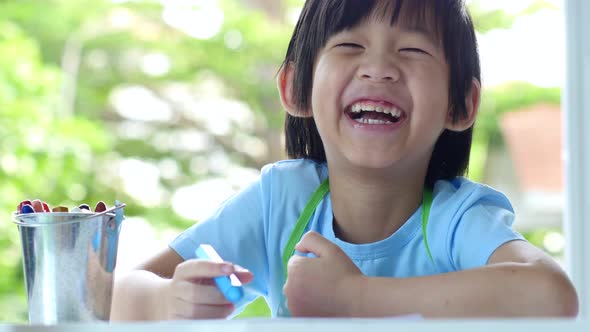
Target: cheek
321 77
323 87
431 93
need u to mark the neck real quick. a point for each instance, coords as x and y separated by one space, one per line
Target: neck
369 206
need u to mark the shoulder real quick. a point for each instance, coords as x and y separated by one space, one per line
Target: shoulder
289 184
461 194
296 172
464 204
295 165
474 218
287 187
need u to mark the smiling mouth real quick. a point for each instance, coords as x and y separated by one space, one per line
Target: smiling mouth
374 115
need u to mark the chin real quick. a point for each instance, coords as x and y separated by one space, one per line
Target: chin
375 162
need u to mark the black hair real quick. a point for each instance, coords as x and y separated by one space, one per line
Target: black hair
448 20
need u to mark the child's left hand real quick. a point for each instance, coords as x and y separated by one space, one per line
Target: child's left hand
328 285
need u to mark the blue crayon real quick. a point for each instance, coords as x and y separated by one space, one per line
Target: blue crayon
27 209
230 286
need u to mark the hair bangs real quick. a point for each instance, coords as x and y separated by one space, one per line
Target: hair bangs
427 16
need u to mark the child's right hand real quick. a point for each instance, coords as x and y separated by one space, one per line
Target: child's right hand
191 293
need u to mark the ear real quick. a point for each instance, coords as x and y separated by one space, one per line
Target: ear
285 86
471 104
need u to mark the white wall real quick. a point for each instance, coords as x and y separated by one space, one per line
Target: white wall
577 139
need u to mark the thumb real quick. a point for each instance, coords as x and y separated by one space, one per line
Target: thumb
313 242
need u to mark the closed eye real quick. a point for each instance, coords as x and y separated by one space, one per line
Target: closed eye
413 49
350 45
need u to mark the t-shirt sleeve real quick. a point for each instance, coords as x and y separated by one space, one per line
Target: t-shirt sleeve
483 225
236 231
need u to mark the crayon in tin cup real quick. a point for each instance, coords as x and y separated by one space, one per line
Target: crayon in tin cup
37 205
60 209
27 208
21 204
84 207
100 206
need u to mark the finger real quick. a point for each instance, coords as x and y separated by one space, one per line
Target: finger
203 311
296 263
239 268
243 274
313 242
245 277
294 260
199 294
201 269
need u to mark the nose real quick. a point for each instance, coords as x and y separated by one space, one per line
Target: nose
379 68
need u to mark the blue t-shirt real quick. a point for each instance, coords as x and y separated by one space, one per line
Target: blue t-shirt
467 223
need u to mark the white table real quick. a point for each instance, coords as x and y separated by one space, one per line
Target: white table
320 325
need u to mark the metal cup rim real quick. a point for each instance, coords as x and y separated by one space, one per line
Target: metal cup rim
78 217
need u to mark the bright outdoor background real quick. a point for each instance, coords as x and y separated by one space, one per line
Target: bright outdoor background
170 106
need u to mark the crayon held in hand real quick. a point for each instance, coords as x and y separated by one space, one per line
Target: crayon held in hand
230 286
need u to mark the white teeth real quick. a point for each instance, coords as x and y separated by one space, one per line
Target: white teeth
369 107
359 107
372 121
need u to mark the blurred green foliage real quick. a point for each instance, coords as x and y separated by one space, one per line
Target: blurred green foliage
61 138
486 20
36 145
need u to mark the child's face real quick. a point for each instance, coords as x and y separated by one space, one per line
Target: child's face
400 76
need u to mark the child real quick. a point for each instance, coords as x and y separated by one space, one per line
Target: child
381 99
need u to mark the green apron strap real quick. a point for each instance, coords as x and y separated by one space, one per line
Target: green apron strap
315 200
302 222
426 204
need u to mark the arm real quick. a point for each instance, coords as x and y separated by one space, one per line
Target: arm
142 286
519 280
173 285
167 287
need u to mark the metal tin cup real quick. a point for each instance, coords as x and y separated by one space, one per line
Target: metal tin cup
68 263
